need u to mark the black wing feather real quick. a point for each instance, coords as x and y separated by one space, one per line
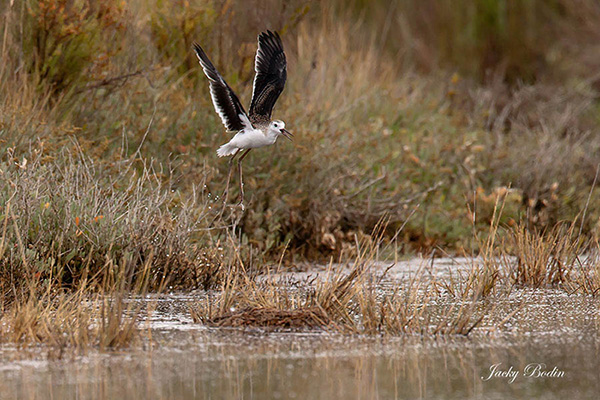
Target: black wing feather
271 73
226 103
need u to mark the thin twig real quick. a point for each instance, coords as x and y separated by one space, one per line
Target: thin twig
137 152
587 203
115 80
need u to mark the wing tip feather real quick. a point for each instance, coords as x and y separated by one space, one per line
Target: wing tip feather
198 50
271 73
224 99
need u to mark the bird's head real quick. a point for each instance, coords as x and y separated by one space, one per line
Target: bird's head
279 127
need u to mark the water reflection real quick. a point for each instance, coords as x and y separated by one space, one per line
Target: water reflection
213 365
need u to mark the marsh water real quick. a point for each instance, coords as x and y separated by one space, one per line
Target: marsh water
549 350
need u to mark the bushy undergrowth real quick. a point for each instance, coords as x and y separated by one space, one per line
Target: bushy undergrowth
68 220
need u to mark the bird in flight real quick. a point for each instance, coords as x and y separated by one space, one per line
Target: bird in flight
254 129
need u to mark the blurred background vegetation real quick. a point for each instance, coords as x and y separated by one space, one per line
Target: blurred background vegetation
420 112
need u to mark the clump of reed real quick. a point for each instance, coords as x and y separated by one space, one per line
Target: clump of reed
346 298
41 312
354 297
543 259
69 321
587 277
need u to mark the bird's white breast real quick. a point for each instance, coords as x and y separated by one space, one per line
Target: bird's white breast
252 138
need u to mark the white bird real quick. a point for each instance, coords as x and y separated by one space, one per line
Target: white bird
255 129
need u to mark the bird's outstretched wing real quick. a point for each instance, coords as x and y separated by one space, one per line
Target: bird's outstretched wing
271 72
226 102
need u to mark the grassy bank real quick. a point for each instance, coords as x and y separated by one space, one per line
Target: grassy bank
483 294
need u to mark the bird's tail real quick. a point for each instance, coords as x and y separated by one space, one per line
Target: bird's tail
226 150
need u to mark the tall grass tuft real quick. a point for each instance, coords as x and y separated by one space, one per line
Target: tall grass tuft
544 259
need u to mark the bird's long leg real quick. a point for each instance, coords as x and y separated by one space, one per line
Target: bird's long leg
226 192
241 182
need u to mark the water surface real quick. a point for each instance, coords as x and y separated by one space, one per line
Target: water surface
552 333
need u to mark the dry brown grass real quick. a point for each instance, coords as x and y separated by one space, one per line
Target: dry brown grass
69 321
99 315
272 318
560 258
346 298
543 259
587 275
348 303
352 298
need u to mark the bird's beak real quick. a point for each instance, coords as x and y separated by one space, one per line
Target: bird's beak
287 134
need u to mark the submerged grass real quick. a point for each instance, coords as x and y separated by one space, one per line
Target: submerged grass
76 320
346 298
354 297
69 321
